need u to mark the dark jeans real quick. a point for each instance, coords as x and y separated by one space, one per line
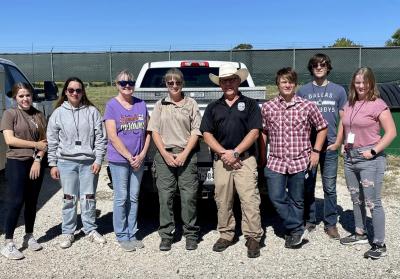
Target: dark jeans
328 162
168 180
289 204
21 190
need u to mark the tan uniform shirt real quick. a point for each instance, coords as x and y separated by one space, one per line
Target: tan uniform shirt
175 123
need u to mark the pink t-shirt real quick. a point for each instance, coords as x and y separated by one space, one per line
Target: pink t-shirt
363 121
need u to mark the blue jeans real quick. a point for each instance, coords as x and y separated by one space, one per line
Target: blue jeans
289 204
364 179
126 184
78 183
328 162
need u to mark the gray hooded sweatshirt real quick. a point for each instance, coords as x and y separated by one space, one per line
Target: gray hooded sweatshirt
75 134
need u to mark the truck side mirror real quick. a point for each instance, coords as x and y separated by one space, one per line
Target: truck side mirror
50 90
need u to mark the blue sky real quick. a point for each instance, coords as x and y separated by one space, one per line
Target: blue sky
89 25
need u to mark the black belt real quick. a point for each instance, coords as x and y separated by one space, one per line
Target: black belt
242 156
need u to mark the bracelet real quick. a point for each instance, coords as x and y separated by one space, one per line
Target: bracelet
316 150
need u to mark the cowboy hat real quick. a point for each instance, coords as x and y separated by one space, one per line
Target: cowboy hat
227 70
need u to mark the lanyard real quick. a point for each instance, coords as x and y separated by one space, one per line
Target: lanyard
351 115
75 122
31 132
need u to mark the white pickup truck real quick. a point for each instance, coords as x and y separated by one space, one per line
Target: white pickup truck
150 87
42 98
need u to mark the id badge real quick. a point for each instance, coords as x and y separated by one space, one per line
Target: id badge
350 138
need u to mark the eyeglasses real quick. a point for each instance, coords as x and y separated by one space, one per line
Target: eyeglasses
171 83
72 90
124 83
322 65
226 80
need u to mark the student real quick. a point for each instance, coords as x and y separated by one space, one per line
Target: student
287 121
230 126
24 130
126 122
364 115
330 99
175 124
76 151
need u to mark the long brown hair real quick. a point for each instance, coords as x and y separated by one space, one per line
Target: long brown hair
84 101
369 78
40 121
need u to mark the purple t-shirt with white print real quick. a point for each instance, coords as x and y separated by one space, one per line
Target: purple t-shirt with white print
131 127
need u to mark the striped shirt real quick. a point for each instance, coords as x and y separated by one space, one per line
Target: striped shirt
288 126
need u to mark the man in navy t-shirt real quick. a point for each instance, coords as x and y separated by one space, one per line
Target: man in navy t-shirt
329 98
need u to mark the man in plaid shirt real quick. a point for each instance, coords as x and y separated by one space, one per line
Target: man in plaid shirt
287 122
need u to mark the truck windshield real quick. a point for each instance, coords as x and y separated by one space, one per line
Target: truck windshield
194 77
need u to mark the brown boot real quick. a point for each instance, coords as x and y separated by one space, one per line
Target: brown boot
221 245
332 232
253 248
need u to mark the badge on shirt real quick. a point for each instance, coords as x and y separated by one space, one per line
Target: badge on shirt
241 106
350 138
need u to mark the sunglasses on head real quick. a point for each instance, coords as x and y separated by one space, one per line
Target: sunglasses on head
72 90
322 65
124 83
171 83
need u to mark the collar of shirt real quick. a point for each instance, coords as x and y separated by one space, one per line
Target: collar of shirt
295 100
222 99
167 101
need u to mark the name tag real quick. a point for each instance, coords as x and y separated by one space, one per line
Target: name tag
351 137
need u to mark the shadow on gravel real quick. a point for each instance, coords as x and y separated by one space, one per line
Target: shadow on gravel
49 188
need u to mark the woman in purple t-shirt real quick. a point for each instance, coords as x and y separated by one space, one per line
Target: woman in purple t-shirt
126 120
364 162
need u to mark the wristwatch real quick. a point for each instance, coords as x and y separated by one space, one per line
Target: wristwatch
236 154
316 150
373 152
38 158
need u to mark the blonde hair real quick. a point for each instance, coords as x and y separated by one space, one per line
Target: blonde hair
176 74
124 73
369 78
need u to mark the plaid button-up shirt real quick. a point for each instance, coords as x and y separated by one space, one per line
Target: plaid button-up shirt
288 127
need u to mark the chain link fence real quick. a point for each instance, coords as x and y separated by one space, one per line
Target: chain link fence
263 64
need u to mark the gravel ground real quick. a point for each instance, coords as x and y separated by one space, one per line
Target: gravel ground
319 257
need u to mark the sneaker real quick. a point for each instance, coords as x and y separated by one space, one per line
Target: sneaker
94 236
165 244
288 241
191 244
11 252
137 243
377 251
221 245
66 240
293 241
127 246
310 227
253 248
354 239
30 242
332 232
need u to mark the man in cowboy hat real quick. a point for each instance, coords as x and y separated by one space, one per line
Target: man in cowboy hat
230 126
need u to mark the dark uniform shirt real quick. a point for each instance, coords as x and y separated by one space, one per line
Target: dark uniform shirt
229 125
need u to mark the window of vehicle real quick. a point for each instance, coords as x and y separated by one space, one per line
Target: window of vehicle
195 77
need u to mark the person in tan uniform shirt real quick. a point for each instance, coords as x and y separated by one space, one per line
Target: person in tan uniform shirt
175 124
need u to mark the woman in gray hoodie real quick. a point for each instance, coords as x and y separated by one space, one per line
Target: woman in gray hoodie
76 148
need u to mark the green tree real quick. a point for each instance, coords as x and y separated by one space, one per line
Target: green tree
344 42
243 46
395 41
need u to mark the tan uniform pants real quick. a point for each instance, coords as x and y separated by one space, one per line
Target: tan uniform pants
244 182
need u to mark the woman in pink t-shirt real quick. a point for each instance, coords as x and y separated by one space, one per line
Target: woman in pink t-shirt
365 114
